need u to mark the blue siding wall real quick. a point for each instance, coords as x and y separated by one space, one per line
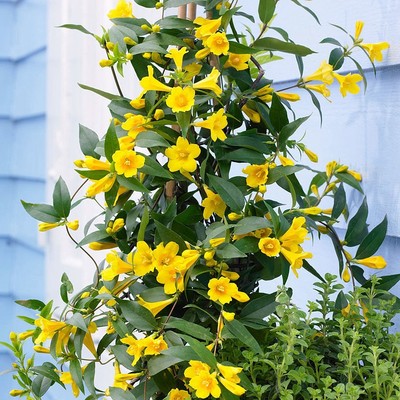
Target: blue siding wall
22 161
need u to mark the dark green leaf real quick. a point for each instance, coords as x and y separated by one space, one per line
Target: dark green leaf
228 251
312 270
190 328
111 144
289 129
266 9
77 28
145 47
167 235
140 317
356 228
77 320
120 394
273 44
49 371
132 184
259 308
201 350
250 224
241 333
341 301
41 212
386 282
76 373
237 48
94 237
41 385
88 141
280 171
350 180
247 245
61 198
331 41
311 12
278 114
95 175
88 377
336 58
372 241
172 22
183 119
153 168
122 356
339 202
229 193
149 139
32 304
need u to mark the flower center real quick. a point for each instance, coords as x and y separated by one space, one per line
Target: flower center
221 288
127 162
181 100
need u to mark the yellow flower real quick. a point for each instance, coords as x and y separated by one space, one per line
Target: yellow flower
134 124
311 210
111 302
177 56
191 70
135 347
66 378
102 185
25 335
213 203
295 259
126 143
311 155
151 83
288 96
123 9
167 256
106 63
207 27
139 102
257 174
102 245
230 378
348 83
120 380
96 165
142 259
127 162
238 61
181 99
330 168
271 247
254 116
295 235
48 328
223 291
182 156
117 267
319 89
215 123
265 93
346 276
202 53
209 83
206 384
172 279
375 262
228 316
356 175
74 225
232 387
374 50
17 392
155 346
41 349
358 29
176 394
158 114
195 369
114 227
46 226
218 43
324 74
286 162
155 306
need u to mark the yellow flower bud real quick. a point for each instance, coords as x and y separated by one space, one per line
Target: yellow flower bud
84 295
330 187
156 28
26 334
30 362
355 175
216 242
322 229
118 224
348 256
330 168
13 337
129 56
158 114
46 226
106 63
314 190
147 56
311 155
17 392
41 349
129 41
346 275
102 245
110 46
159 5
116 121
209 255
146 28
79 163
311 210
342 168
74 225
228 316
234 217
262 189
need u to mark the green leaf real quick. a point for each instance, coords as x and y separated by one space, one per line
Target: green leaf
48 370
167 235
250 224
111 144
237 48
76 373
77 320
95 175
350 180
244 155
147 47
41 212
140 317
32 304
273 44
172 22
120 394
336 58
247 245
201 350
228 251
386 282
61 198
259 308
77 28
132 184
122 356
341 301
357 225
143 224
183 119
241 333
109 96
149 139
278 114
339 202
94 237
289 129
153 168
266 9
312 270
372 241
280 171
41 385
88 377
229 193
146 3
190 328
88 141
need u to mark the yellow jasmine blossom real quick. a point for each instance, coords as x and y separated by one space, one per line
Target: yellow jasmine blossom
311 210
48 328
374 50
158 114
265 93
213 203
155 306
17 392
114 227
223 291
126 143
142 259
271 247
195 369
191 70
120 380
25 335
209 83
330 168
139 102
96 165
324 74
117 267
102 245
127 162
348 83
295 235
67 379
285 161
74 225
358 29
215 123
230 378
134 124
228 316
172 279
151 83
234 216
202 53
207 27
319 89
182 156
257 174
254 116
177 56
295 259
288 96
176 394
102 185
181 99
206 384
167 256
356 175
346 276
375 262
135 347
237 61
311 155
41 349
123 9
155 346
218 43
46 226
232 387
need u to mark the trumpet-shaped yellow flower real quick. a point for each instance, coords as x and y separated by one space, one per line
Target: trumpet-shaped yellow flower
155 306
254 116
96 165
295 235
324 74
218 43
177 56
46 226
206 384
123 9
176 394
66 378
238 61
223 291
182 156
375 262
213 203
271 247
265 93
121 380
348 83
142 259
167 256
196 368
102 185
232 387
286 162
207 27
102 245
181 99
172 278
358 29
191 70
155 345
257 174
134 124
295 259
322 89
127 162
288 96
215 123
135 347
151 83
117 267
209 83
374 50
48 328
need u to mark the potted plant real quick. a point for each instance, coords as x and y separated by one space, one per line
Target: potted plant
181 180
